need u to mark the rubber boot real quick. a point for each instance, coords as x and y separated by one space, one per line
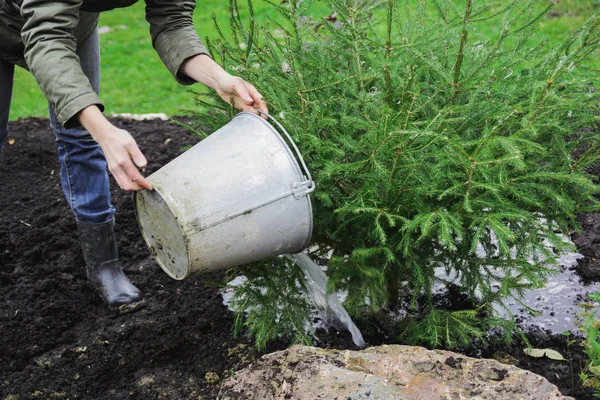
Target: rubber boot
103 269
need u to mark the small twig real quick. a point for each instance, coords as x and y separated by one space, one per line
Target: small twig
461 50
25 223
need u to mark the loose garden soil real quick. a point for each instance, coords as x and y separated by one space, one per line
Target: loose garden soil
58 340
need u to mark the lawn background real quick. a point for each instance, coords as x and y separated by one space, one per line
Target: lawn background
134 80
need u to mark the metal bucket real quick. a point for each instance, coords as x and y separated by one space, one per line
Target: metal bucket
238 196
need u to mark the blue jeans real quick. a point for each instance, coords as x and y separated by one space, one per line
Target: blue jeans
83 168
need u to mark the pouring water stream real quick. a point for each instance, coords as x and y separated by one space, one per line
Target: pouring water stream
329 306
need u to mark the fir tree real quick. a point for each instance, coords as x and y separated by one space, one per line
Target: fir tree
433 149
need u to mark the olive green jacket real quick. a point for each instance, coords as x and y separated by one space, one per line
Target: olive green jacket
42 36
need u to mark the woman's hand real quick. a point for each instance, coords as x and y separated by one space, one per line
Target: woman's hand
241 94
124 158
232 89
120 149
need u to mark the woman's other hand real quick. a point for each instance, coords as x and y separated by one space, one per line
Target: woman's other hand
120 149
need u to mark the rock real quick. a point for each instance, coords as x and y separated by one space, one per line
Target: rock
391 372
145 381
211 378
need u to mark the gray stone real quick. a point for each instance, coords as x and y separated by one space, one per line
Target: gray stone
390 372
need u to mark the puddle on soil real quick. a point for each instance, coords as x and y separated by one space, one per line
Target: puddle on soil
557 302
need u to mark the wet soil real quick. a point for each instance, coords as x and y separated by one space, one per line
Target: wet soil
58 340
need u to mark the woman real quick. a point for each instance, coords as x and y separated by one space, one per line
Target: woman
57 40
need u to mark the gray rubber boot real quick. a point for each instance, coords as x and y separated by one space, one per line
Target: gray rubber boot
103 269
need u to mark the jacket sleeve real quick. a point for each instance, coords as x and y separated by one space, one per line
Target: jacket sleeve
173 34
50 54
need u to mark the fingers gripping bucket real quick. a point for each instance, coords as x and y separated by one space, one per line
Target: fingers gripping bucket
238 196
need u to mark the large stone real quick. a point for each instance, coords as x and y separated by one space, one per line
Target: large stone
383 373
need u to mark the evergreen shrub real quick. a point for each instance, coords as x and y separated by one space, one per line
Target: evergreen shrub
441 157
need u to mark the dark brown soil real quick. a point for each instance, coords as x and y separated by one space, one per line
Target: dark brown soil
588 245
57 338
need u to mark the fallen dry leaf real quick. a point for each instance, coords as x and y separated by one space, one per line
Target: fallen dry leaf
552 354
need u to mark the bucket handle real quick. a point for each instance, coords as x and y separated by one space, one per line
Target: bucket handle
300 188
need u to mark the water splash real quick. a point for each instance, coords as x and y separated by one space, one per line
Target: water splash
328 306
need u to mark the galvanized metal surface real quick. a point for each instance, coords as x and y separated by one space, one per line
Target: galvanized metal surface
227 201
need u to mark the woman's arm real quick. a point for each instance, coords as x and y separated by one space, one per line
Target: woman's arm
184 55
173 35
50 53
230 88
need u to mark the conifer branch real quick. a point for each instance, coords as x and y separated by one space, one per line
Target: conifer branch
251 33
327 85
388 51
461 51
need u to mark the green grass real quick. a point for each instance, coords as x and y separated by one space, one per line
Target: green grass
134 79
